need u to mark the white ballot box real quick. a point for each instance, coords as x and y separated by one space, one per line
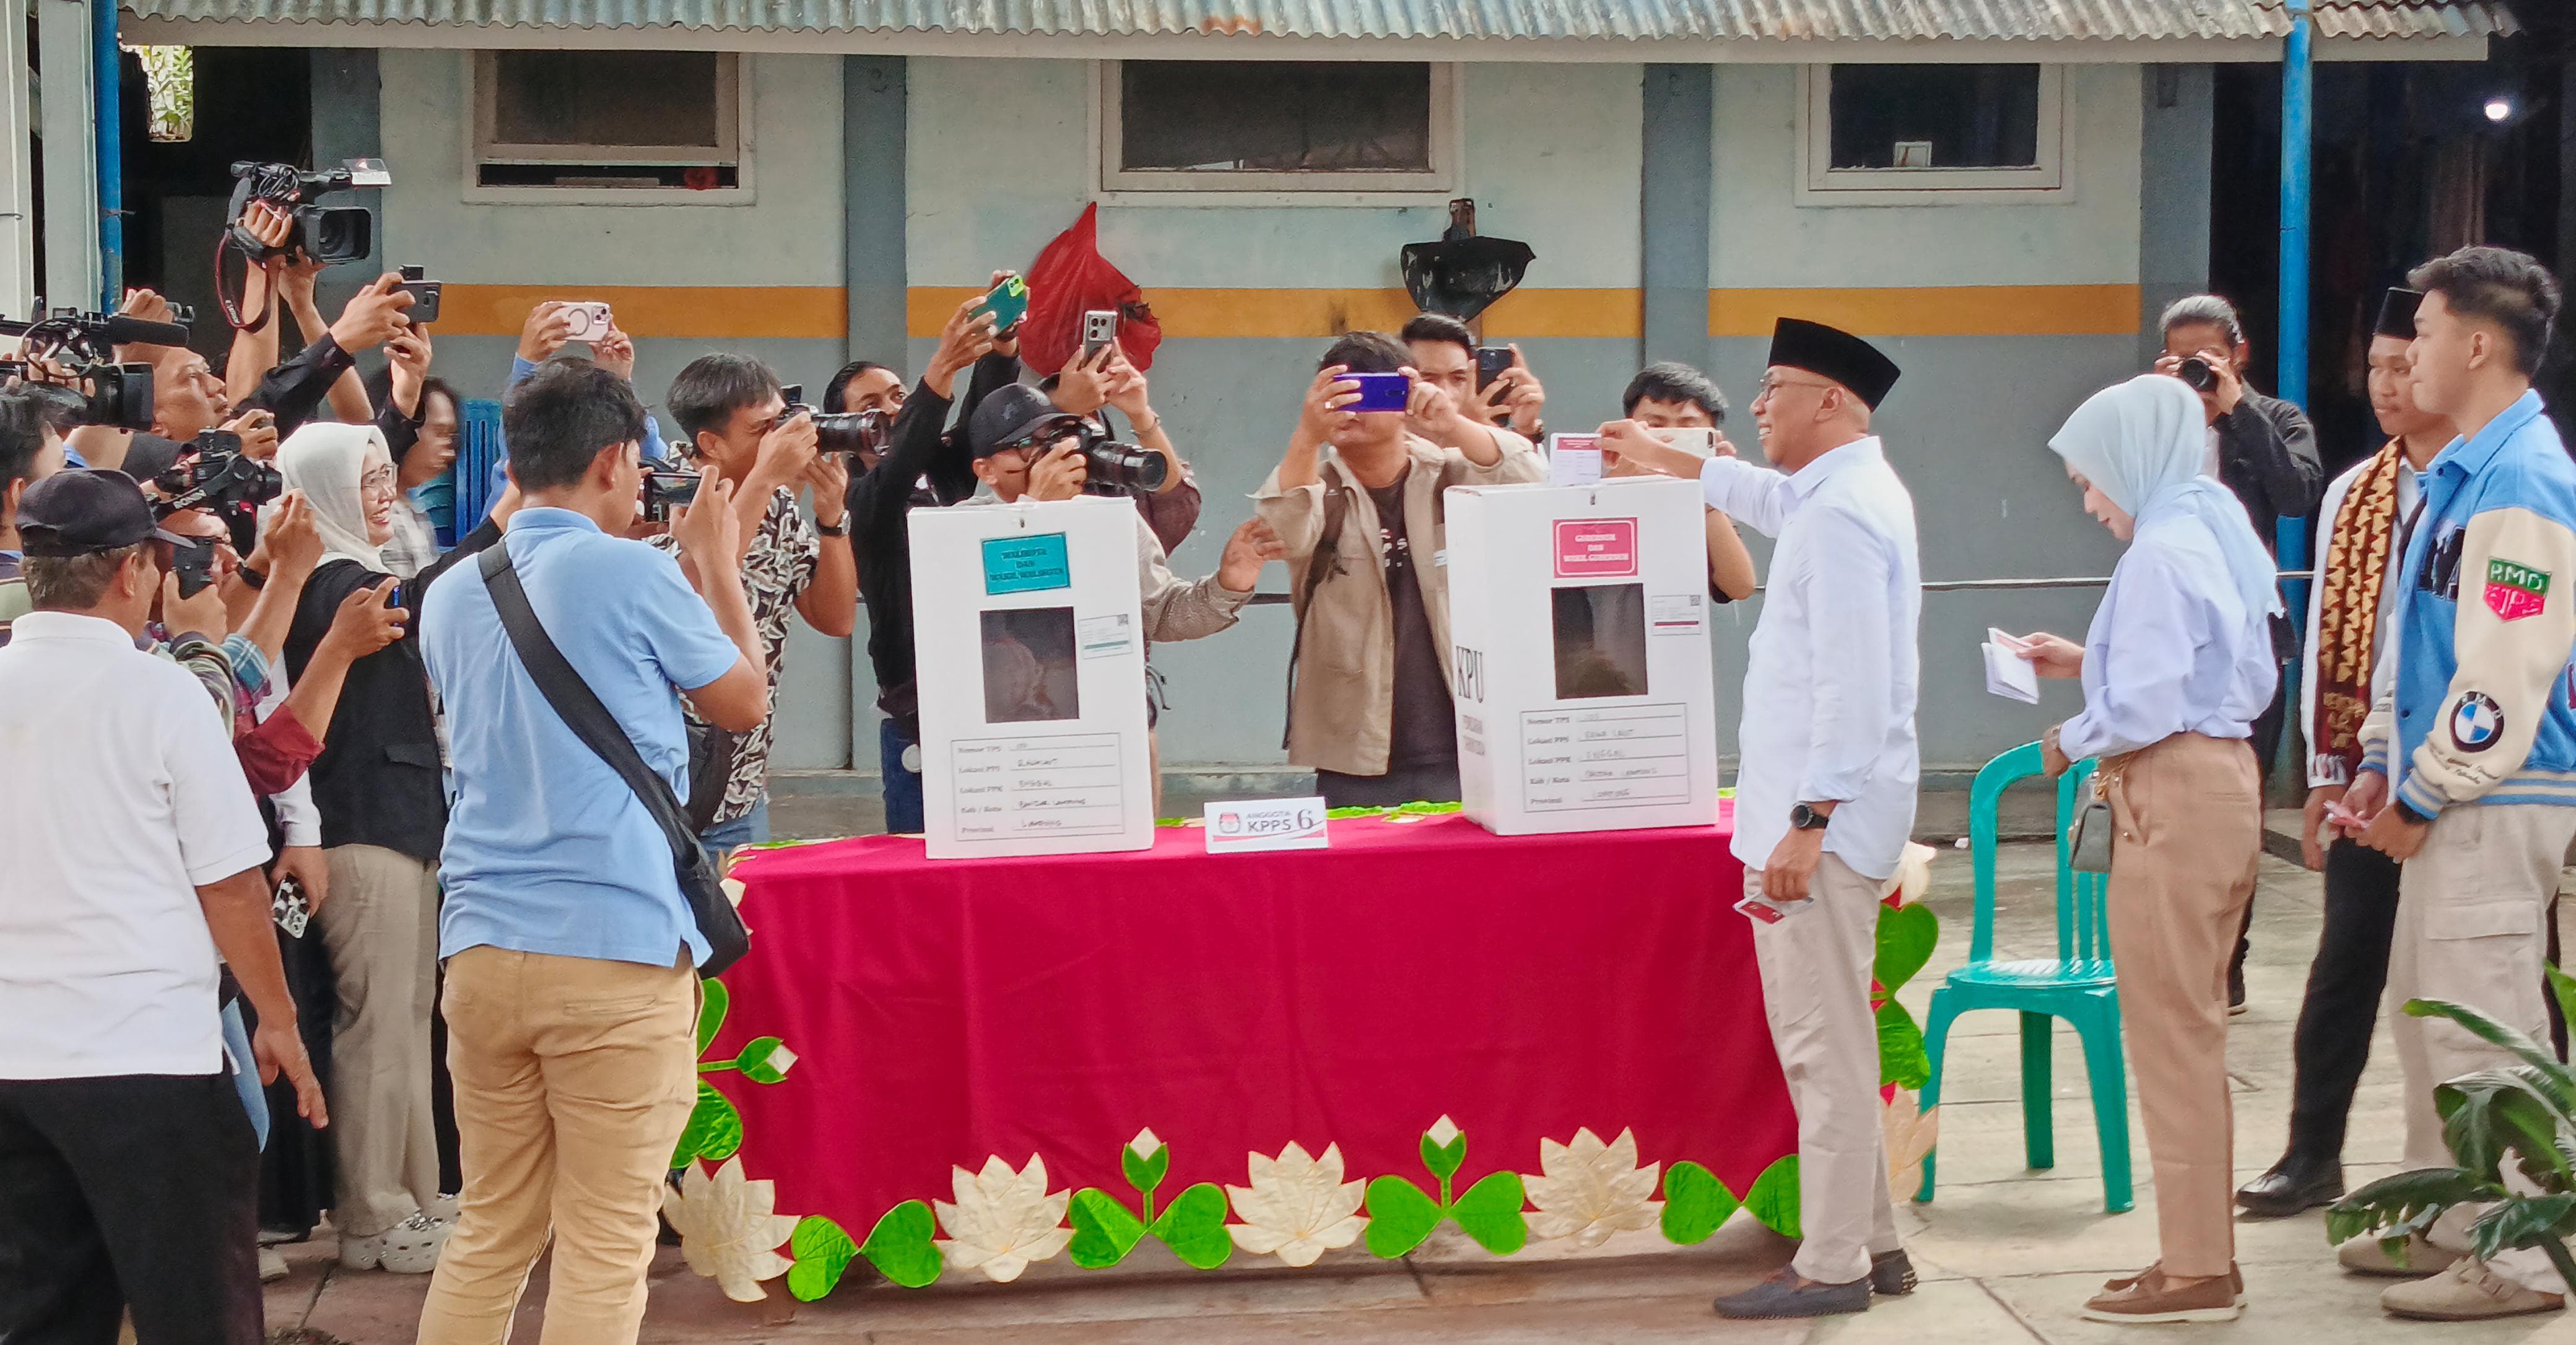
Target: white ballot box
1032 677
1580 616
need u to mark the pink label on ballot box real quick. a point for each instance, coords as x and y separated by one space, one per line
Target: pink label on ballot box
1596 548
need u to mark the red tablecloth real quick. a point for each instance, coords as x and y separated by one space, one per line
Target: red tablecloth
946 1012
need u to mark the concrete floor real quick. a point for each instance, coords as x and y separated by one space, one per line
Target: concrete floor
2007 1254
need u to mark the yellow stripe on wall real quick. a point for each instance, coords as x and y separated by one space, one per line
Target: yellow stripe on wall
817 312
1955 310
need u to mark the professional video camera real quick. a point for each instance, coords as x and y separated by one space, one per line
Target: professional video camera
1113 468
841 431
327 234
84 344
212 475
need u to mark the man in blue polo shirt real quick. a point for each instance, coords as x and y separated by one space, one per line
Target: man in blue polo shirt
571 986
2469 760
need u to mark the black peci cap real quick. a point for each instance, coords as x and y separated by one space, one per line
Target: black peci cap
1835 354
1008 416
84 512
2397 314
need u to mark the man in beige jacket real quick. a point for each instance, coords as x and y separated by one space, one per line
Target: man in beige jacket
1369 705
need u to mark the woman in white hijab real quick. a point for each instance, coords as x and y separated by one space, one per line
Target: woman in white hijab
384 814
2177 665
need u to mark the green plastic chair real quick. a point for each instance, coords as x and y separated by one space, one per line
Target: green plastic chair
2076 985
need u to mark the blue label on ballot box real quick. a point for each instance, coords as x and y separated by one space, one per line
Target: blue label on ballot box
1026 564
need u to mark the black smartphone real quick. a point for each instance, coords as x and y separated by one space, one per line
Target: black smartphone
424 294
1491 361
193 560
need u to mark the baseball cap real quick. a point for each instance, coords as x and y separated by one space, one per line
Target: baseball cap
84 512
1010 415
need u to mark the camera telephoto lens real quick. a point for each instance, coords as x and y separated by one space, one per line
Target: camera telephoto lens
1115 468
2198 374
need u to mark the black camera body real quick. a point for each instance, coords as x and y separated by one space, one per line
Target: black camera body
2199 373
212 475
327 234
1113 468
118 396
662 490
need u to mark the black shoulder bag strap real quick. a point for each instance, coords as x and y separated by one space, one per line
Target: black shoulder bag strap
700 884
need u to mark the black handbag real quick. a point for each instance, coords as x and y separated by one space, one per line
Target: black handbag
701 885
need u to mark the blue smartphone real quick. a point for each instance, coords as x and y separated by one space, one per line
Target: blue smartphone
1380 392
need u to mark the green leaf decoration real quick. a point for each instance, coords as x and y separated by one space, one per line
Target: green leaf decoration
714 999
1104 1231
714 1131
1400 1216
1145 1173
821 1252
1905 938
1695 1203
1490 1212
1444 1159
765 1060
900 1246
1194 1227
1901 1058
1774 1197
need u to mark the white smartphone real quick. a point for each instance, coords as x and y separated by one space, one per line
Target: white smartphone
586 321
1099 328
1700 441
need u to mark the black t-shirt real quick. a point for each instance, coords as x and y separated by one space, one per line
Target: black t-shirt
1425 727
377 781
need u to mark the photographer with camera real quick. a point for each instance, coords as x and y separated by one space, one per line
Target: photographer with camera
1107 379
741 430
2265 452
128 1163
420 417
1369 703
1454 400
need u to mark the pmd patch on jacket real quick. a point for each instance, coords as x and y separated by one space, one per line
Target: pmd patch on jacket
2515 591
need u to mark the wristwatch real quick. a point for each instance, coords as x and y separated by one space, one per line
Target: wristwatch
1804 818
840 529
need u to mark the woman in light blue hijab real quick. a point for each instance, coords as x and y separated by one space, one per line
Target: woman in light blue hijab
2175 668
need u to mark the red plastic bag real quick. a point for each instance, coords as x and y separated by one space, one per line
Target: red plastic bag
1068 278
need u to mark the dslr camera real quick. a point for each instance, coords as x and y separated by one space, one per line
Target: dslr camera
327 234
1113 468
841 431
212 475
2199 373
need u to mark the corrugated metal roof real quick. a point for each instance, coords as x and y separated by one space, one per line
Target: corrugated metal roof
1721 20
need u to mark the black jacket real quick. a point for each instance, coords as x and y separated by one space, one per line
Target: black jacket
2267 455
292 390
919 446
377 781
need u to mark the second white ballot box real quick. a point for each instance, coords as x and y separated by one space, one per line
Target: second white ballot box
1579 619
1032 675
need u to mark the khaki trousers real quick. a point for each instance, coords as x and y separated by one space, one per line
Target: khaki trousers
1815 990
574 1077
2189 812
2472 907
380 928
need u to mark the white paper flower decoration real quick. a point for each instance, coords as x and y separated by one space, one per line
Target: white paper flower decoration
1297 1206
1913 874
1591 1190
1909 1137
1003 1220
727 1230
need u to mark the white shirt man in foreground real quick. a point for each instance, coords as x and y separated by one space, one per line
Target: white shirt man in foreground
1824 797
128 1171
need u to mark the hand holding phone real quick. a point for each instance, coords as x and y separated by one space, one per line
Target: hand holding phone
1380 392
587 321
1008 302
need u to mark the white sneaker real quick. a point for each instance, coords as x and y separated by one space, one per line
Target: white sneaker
442 1209
272 1267
408 1248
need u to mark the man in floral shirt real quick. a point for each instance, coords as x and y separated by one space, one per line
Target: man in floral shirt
732 412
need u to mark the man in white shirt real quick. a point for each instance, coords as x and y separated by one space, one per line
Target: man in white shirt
1824 795
128 1172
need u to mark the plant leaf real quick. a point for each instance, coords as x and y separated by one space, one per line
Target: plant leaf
1193 1226
2402 1199
2554 1078
713 1001
1400 1216
1774 1197
1490 1212
1145 1173
765 1060
2522 1221
1901 1057
1444 1159
1695 1203
821 1252
1906 935
2563 986
1104 1231
714 1131
2491 1113
900 1246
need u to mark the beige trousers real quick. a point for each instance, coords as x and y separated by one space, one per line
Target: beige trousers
574 1077
2472 907
380 927
2189 812
1815 990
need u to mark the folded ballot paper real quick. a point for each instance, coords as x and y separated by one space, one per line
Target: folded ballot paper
2008 674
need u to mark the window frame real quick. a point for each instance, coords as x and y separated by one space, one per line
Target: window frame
734 104
1321 187
1820 183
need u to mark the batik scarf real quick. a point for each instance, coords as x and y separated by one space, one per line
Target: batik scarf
2356 566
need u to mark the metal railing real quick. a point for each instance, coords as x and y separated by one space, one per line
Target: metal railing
1936 585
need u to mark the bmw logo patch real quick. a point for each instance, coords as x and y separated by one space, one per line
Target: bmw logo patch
2476 723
